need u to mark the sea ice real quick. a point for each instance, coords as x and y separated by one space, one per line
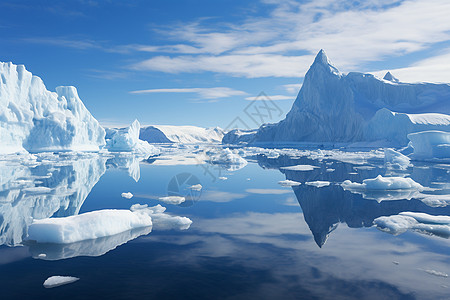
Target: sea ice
90 225
420 222
55 281
383 183
300 168
318 183
289 183
127 195
395 160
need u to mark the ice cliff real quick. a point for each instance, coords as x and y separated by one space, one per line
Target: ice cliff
336 107
35 119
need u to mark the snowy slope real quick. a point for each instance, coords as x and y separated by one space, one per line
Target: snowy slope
334 107
181 134
35 119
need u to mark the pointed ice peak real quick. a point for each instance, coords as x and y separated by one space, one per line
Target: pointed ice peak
322 58
390 77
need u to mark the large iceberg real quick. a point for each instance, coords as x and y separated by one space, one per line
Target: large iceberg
430 144
35 119
335 107
181 134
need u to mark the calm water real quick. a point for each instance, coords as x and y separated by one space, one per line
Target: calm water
250 238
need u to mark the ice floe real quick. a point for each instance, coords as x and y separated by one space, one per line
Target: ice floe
318 183
172 199
127 195
420 222
55 281
289 183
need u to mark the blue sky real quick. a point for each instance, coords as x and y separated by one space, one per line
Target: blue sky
200 62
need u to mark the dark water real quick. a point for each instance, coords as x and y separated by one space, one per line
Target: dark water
250 238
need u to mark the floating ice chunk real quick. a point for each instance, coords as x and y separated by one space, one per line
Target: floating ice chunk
396 160
90 225
196 187
289 183
318 183
173 199
127 195
229 158
127 140
55 281
330 170
430 144
300 168
383 183
435 200
420 222
223 178
161 220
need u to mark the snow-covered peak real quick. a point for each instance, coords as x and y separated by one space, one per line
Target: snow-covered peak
390 77
322 61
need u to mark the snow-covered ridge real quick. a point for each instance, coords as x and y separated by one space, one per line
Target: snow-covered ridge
353 107
35 119
181 134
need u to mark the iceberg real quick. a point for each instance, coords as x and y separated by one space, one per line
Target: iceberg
127 140
395 160
230 159
181 134
87 226
173 199
289 183
345 108
383 183
55 281
127 195
430 144
34 119
420 222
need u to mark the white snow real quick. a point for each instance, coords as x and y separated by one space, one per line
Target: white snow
181 134
35 119
430 144
395 160
127 140
383 183
127 195
300 168
318 183
55 281
173 199
289 183
420 222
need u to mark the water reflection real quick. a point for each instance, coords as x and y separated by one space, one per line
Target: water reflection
326 207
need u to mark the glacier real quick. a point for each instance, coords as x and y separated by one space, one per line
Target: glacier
181 134
355 107
34 119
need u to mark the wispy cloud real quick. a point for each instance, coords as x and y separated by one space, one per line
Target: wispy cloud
292 88
203 93
282 44
267 97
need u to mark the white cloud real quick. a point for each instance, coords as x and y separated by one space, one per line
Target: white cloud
434 69
283 43
272 97
292 88
204 93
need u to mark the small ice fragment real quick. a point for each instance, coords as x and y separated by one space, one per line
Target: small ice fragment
318 183
330 170
42 255
173 199
127 195
289 183
55 281
300 168
223 178
196 187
